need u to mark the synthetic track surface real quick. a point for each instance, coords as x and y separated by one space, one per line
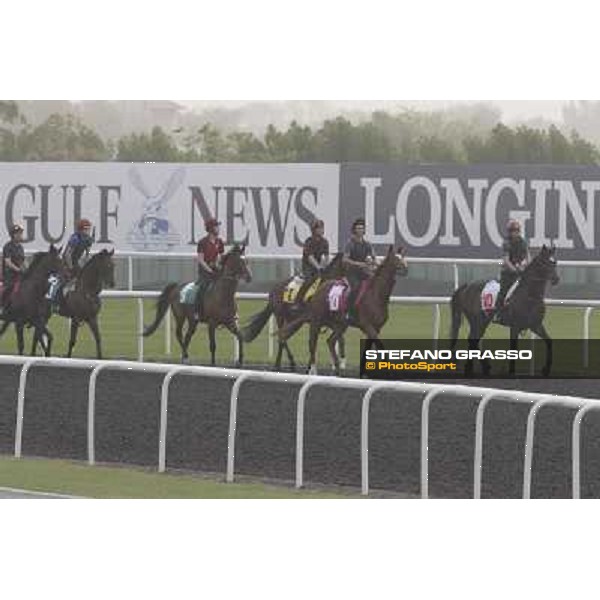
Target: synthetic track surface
127 417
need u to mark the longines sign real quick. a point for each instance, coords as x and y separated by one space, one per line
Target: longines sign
161 207
433 210
461 211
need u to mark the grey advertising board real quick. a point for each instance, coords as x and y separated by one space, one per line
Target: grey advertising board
461 210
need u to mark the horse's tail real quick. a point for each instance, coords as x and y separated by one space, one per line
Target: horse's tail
456 314
162 306
257 323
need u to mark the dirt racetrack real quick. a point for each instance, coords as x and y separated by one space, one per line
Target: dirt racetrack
127 422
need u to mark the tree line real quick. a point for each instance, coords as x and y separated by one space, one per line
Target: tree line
407 137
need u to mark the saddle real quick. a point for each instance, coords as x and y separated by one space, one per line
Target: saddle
290 293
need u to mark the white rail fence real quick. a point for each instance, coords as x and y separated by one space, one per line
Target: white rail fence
293 259
436 302
430 393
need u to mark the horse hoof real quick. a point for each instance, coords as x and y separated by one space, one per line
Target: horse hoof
312 370
343 364
185 360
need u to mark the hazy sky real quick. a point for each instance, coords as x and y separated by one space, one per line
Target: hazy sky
511 109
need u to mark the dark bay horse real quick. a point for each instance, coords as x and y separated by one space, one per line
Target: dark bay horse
286 312
371 312
525 309
28 303
219 305
82 304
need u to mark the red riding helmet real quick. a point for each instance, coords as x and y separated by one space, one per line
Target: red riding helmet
83 224
210 223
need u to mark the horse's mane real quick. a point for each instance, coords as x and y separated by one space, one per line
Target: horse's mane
532 266
37 258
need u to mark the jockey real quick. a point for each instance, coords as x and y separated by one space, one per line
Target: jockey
13 262
516 258
315 255
78 245
360 258
209 251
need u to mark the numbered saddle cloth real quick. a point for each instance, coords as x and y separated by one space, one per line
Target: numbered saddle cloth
292 289
188 293
488 296
338 296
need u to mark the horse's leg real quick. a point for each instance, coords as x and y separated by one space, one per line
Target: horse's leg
280 344
234 329
50 339
191 329
474 337
342 348
540 331
179 321
514 343
20 340
73 336
5 325
486 366
212 342
335 337
312 347
93 325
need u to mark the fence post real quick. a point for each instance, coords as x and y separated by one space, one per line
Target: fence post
130 272
436 325
300 430
586 336
292 267
455 272
233 425
140 320
21 407
92 411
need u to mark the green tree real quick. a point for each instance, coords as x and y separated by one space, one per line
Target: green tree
62 138
156 146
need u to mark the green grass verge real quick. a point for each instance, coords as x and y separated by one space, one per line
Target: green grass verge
118 324
64 477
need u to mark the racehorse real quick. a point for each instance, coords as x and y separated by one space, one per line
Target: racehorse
219 306
285 312
525 309
28 305
371 310
82 303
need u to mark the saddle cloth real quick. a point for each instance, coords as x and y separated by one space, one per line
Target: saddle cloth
188 293
489 293
293 287
337 297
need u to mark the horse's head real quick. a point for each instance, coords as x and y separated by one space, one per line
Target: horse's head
107 267
401 264
396 260
50 263
544 265
235 264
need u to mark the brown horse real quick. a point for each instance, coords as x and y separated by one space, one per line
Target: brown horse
219 305
371 312
286 312
82 304
28 304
